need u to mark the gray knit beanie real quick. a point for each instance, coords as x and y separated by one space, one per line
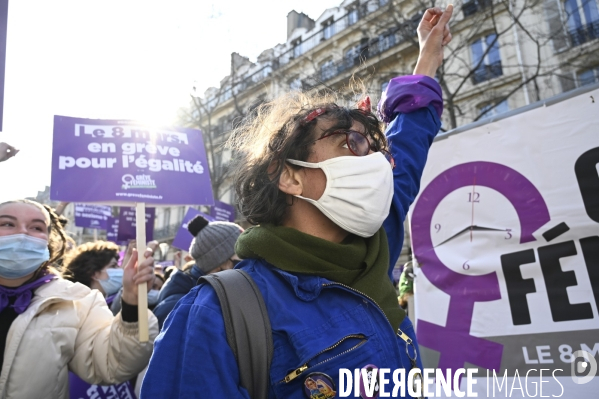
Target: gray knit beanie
214 242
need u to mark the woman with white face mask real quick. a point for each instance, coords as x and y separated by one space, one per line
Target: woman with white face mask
328 192
50 326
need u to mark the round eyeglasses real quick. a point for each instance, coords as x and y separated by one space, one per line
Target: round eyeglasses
359 144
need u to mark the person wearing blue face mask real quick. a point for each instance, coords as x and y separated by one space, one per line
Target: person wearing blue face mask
49 325
95 264
109 280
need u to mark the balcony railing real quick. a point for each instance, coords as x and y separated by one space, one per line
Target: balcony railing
584 33
369 50
240 85
486 72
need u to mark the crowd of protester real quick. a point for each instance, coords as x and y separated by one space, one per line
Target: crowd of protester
327 190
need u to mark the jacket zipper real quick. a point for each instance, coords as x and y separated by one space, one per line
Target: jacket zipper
400 333
295 373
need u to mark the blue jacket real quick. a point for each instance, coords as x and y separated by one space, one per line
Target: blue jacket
314 321
175 288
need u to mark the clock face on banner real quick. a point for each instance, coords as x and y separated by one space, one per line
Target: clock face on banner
476 215
470 207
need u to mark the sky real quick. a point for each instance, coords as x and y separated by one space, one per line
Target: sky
120 59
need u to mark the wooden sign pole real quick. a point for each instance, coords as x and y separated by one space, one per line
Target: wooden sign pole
142 289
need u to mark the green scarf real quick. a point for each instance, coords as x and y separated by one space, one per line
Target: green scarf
361 263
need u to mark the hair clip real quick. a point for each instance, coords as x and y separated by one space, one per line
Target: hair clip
314 114
364 104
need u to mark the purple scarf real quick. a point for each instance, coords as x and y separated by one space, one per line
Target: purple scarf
23 293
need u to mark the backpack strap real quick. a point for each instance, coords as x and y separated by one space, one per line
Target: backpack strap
247 326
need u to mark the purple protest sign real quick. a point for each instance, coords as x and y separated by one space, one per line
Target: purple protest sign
112 229
3 31
117 162
223 212
127 224
164 264
183 238
92 216
82 390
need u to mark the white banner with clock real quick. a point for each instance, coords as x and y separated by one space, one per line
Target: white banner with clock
505 232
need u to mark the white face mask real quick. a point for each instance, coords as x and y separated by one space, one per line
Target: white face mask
358 193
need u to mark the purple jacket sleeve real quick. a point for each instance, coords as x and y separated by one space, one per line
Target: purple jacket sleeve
413 105
409 93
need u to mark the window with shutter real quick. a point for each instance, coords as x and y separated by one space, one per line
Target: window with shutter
492 109
327 70
567 81
582 20
486 59
588 76
328 29
295 83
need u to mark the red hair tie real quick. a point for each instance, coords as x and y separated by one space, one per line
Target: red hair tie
314 114
364 104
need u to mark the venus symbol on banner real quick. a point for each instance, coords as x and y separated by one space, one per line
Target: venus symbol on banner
468 286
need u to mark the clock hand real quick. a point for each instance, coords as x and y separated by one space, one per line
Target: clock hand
472 199
454 236
471 229
482 228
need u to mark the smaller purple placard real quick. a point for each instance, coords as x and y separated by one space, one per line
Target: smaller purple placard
82 390
92 216
164 264
183 238
127 224
223 212
112 229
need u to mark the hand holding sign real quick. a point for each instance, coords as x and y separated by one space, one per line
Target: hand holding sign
137 273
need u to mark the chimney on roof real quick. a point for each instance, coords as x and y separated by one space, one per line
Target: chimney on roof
298 20
238 60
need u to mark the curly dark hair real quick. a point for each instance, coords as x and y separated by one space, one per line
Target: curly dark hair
277 131
87 259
